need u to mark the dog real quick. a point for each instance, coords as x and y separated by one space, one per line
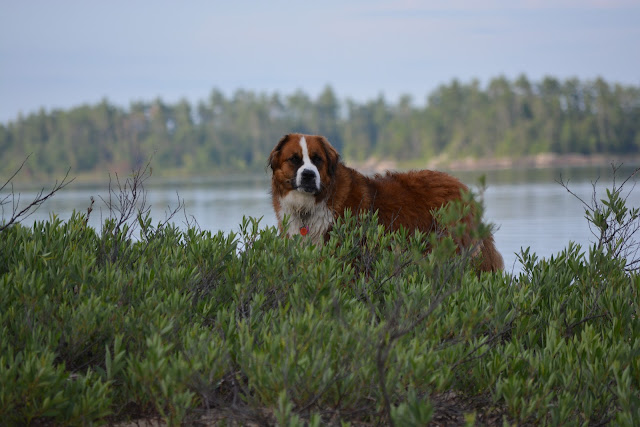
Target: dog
311 186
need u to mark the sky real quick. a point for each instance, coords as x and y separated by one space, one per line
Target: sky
64 53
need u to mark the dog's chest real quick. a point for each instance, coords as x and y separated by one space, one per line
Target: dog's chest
305 215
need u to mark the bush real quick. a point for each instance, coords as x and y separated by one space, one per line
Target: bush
187 324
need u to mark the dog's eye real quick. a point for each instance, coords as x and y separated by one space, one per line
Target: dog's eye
316 160
295 159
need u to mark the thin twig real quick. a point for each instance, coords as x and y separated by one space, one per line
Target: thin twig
18 214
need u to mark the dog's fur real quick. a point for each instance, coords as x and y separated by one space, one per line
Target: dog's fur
313 187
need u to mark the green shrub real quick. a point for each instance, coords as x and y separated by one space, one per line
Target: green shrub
99 327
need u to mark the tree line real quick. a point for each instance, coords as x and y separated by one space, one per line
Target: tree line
236 133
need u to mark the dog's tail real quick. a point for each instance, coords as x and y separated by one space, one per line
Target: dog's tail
491 258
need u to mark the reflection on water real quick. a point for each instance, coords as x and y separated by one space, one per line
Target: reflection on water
529 208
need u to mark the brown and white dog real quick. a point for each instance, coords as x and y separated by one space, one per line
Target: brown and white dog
313 187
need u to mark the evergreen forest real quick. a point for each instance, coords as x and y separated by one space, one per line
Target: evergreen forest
220 134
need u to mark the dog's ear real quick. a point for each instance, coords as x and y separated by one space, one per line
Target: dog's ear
333 158
273 157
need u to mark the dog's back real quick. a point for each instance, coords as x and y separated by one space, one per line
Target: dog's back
409 199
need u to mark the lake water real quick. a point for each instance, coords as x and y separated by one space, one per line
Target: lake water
528 206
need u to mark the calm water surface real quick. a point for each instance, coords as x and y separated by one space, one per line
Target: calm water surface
529 207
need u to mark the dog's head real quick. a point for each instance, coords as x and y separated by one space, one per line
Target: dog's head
304 163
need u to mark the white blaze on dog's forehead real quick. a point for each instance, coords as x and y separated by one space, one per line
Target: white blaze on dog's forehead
306 164
305 149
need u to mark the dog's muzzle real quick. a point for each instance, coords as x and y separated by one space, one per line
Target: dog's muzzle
309 182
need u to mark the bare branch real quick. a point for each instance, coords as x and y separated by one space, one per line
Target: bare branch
19 213
128 198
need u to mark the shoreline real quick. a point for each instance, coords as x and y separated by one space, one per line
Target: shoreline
374 165
470 164
541 161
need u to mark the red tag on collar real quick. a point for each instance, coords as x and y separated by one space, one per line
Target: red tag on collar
304 230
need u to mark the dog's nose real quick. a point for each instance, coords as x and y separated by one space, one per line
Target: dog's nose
308 175
309 181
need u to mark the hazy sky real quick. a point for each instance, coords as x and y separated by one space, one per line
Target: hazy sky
62 53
